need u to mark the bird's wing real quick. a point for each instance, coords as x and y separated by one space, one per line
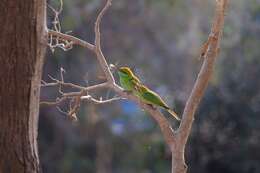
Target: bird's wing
174 114
153 98
136 82
135 79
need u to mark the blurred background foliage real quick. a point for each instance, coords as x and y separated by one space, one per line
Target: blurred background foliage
160 40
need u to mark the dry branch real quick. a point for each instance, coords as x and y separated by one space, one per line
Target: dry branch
100 101
160 119
100 57
211 51
205 72
70 38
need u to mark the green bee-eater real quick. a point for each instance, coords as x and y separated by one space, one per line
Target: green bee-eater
127 79
150 97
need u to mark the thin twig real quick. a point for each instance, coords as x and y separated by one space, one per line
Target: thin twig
72 39
98 51
57 83
57 102
100 101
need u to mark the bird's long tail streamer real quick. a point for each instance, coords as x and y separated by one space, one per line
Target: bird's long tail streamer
174 114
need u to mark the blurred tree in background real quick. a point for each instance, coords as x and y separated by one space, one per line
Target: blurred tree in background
161 41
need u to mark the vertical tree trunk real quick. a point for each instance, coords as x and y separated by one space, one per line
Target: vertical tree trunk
178 160
22 46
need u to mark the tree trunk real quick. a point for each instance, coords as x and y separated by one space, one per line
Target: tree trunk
178 161
22 46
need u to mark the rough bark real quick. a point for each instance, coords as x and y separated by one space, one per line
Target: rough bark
22 46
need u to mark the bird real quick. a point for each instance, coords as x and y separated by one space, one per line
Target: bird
127 79
149 97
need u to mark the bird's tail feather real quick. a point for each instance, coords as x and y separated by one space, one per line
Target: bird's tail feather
174 114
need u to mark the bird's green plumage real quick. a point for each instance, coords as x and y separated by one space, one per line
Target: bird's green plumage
150 97
127 79
131 83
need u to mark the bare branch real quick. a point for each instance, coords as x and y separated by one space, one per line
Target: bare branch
98 21
56 21
57 83
74 40
74 97
74 107
55 41
57 102
204 74
100 101
100 57
61 111
85 89
69 40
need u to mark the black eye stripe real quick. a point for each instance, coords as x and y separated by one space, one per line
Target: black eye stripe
124 72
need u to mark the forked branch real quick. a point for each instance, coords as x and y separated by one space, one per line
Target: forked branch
96 48
176 140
